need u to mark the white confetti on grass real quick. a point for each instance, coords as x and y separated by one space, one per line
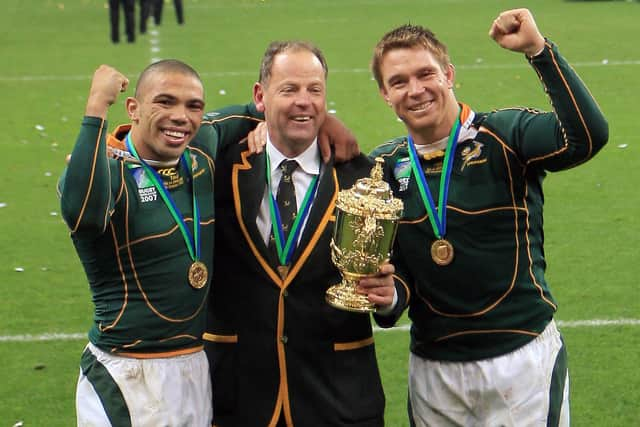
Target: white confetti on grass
3 205
623 145
18 269
40 128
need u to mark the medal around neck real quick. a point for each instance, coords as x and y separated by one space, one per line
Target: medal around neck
365 228
198 275
442 252
441 249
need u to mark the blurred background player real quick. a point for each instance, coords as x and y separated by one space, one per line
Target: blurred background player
128 7
154 8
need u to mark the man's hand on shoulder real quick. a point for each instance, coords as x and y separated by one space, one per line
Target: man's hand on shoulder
257 138
334 133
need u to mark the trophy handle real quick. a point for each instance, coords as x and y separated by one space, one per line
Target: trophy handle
336 253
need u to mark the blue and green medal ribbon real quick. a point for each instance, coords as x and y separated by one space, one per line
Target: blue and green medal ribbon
285 249
193 243
437 214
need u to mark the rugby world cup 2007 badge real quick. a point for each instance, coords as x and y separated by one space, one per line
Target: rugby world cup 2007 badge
146 190
402 173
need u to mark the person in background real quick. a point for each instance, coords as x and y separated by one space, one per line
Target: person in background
279 354
485 349
145 11
129 19
154 8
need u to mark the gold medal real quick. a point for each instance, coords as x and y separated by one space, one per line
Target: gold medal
198 275
442 252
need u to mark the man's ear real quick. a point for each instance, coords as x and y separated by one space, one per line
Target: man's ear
383 93
258 96
451 75
133 109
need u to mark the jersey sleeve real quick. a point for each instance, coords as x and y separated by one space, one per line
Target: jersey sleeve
85 187
227 126
571 134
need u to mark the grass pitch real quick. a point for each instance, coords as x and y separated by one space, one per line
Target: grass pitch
50 48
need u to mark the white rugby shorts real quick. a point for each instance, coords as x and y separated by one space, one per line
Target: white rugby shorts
115 391
527 387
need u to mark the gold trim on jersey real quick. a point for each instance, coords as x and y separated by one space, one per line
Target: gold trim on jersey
487 331
225 339
353 345
162 354
91 178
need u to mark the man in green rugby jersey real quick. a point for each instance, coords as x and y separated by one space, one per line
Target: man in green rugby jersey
484 347
142 225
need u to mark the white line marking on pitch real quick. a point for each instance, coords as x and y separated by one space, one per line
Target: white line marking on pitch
603 63
154 41
561 324
42 337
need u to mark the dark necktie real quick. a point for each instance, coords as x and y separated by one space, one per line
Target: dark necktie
286 196
286 200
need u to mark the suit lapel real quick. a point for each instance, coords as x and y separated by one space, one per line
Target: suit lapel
320 214
248 182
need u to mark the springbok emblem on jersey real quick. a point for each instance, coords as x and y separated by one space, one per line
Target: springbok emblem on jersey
471 153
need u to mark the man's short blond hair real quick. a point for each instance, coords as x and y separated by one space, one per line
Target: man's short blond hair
408 37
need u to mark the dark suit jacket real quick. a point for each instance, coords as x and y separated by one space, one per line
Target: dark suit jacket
276 348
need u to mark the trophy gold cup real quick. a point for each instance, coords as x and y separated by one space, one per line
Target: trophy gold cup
365 228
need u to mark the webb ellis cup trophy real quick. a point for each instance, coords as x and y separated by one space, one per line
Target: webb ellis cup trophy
366 223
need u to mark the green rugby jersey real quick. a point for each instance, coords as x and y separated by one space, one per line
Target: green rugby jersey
493 297
131 248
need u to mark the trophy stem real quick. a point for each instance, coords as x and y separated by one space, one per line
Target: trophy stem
344 296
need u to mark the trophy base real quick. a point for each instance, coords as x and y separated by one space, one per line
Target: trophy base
344 297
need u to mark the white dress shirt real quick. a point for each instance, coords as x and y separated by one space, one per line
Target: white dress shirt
308 167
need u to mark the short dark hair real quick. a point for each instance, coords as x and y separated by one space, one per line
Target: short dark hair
166 66
278 47
406 37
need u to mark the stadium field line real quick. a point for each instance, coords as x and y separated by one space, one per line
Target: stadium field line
561 324
478 66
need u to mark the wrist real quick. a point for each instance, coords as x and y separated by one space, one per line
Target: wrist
535 49
96 108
